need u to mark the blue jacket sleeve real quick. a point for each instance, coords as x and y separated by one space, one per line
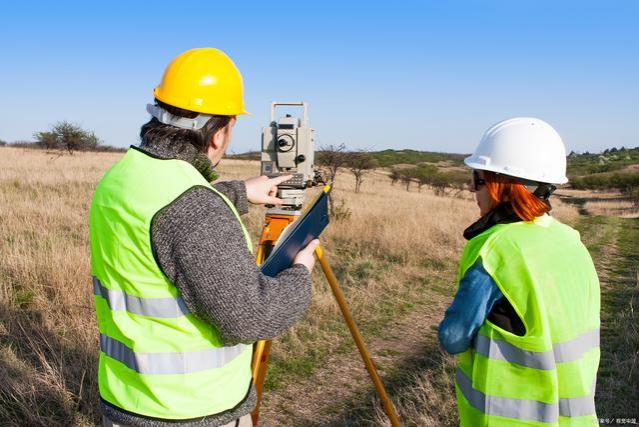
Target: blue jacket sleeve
475 298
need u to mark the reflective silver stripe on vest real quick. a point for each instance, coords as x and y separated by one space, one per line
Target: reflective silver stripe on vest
501 350
506 407
566 351
523 409
152 307
569 351
577 406
169 363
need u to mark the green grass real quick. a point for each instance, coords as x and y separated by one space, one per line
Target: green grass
614 246
281 369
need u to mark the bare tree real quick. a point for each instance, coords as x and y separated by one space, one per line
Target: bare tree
407 176
395 175
421 180
360 163
330 158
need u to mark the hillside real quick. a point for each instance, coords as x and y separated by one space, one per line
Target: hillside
611 169
609 160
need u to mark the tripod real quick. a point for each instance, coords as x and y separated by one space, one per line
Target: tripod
274 224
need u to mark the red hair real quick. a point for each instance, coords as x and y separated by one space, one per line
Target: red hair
502 189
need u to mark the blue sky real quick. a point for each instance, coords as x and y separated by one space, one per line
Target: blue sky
428 75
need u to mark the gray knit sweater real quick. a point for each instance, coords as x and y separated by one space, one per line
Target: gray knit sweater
199 245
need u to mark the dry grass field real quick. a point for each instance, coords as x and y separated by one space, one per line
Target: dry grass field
620 208
602 203
394 253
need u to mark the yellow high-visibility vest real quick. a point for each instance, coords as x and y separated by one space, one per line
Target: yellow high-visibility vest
157 359
546 377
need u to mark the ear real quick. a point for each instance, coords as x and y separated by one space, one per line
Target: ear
217 140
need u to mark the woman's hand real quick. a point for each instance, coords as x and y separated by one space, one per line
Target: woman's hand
263 190
305 256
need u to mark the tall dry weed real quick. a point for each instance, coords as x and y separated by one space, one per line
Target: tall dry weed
48 338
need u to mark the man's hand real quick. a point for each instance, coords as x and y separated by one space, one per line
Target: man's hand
263 190
305 256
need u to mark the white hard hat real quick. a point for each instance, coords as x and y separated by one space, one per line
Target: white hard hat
522 147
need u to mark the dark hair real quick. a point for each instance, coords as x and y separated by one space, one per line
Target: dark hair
154 130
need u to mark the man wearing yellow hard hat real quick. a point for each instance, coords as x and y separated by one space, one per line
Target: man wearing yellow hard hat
179 299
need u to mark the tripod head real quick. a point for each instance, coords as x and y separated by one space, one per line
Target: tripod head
288 147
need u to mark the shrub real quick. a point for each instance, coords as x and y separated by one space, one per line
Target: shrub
67 136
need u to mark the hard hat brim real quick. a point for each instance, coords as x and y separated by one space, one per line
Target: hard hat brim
472 162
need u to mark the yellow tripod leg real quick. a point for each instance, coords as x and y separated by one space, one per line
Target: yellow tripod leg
357 337
273 227
260 366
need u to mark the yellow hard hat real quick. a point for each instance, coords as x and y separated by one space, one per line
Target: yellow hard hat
203 80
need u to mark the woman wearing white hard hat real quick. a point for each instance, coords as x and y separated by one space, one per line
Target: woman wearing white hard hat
525 319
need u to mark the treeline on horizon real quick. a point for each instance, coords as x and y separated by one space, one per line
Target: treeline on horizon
609 169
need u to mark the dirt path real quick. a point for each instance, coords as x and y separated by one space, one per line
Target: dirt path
614 244
341 393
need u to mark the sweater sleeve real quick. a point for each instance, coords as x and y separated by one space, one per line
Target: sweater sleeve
236 193
473 302
199 245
